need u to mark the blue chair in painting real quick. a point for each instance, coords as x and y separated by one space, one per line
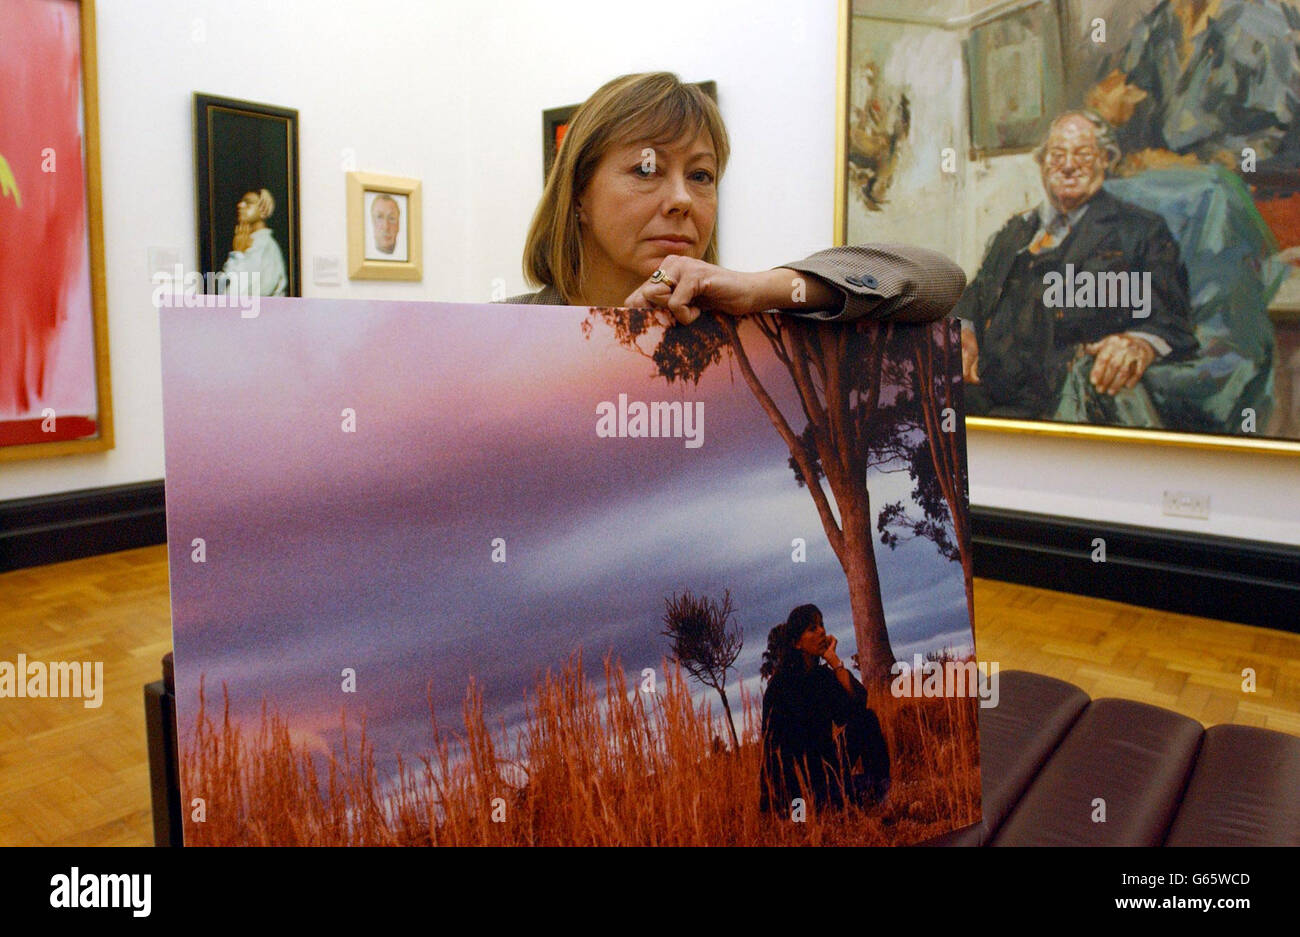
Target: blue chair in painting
1233 274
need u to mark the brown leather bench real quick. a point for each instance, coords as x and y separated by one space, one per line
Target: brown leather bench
1052 760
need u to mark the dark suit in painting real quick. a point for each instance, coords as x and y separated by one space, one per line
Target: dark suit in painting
1031 359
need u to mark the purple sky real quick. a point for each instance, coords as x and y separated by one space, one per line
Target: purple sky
372 550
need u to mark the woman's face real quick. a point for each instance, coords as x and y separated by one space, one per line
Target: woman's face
814 640
645 202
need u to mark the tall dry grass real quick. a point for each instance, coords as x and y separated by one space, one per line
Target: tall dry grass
589 766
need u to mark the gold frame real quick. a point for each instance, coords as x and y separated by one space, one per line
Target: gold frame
95 234
1270 446
845 23
359 268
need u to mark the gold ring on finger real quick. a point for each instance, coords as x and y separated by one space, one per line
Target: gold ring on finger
660 277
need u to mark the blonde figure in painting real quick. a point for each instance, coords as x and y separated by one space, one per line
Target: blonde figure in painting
253 249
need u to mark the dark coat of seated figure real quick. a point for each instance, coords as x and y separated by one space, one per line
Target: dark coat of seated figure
821 741
1077 299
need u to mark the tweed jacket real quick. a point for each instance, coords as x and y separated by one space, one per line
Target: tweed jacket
879 281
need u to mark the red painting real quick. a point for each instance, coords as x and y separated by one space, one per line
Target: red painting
49 392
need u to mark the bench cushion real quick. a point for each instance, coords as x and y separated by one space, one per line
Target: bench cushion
1245 791
1135 757
1017 736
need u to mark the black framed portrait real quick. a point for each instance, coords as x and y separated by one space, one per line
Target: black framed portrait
246 186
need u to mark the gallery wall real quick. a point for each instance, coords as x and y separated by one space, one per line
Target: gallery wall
452 93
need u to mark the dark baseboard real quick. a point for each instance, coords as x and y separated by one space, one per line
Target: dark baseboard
73 524
1245 581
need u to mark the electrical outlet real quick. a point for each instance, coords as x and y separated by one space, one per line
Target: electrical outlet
1187 504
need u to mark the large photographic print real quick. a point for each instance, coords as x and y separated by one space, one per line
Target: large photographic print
526 575
1133 272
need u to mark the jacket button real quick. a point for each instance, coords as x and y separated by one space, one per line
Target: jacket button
855 280
869 281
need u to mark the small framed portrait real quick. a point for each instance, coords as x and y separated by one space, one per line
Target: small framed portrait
383 227
246 181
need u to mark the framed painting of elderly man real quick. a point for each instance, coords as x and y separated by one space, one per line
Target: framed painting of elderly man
1132 267
246 186
383 227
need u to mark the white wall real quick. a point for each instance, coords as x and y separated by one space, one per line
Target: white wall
452 93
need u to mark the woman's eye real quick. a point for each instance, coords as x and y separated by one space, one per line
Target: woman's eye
704 175
642 171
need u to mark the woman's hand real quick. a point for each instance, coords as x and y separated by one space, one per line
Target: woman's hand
829 654
697 285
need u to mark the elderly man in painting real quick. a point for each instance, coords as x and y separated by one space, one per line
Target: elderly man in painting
386 218
1076 298
253 249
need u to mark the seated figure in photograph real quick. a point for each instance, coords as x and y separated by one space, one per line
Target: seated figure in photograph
821 741
627 220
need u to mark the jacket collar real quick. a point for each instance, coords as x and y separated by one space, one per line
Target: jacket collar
1086 227
549 296
1103 209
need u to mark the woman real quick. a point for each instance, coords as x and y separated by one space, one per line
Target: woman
820 739
627 219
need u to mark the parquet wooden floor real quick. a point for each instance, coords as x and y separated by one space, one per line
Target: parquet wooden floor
76 776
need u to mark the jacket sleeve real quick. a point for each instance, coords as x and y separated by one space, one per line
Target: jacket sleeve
885 281
1170 300
976 303
851 702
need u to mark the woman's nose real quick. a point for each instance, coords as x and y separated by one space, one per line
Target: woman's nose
679 193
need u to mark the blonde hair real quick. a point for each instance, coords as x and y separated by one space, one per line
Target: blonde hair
265 204
654 106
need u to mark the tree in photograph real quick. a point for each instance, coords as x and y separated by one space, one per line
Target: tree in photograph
705 642
835 375
927 436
